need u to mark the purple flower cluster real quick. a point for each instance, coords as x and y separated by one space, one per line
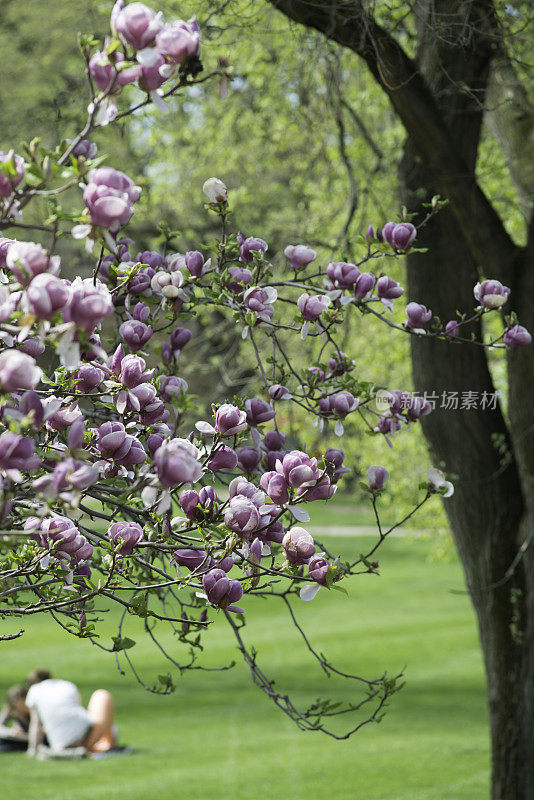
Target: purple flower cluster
71 474
299 256
377 477
61 536
120 447
90 302
312 306
28 259
298 545
237 279
403 407
109 197
135 334
399 235
299 475
17 454
161 49
127 534
222 591
517 336
142 453
338 405
198 505
18 371
388 290
176 462
248 247
47 295
343 275
417 315
491 294
260 301
246 513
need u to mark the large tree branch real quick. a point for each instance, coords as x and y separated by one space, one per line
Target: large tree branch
349 24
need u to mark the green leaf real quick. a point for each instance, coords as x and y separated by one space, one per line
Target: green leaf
138 606
122 643
340 589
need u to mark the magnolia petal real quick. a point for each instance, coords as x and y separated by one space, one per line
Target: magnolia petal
166 70
102 116
14 475
204 427
108 238
45 561
299 513
164 503
159 102
148 496
309 591
51 407
435 476
449 489
148 56
80 231
69 351
120 402
133 400
271 294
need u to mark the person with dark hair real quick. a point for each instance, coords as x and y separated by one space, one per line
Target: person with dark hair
16 712
36 675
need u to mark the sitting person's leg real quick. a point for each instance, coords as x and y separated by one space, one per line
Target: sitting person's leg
100 707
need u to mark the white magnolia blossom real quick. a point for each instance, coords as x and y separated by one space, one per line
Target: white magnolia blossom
215 190
438 482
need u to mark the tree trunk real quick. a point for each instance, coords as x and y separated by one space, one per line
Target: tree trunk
487 508
439 97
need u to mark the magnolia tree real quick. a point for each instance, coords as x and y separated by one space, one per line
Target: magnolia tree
112 490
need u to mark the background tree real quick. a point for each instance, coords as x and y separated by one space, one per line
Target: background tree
441 65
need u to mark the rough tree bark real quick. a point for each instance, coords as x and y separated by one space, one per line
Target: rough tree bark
439 96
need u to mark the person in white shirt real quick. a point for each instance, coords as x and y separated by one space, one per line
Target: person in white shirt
56 710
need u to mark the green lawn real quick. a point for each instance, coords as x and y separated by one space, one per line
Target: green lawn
341 513
218 736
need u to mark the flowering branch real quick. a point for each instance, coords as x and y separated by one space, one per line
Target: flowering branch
111 487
